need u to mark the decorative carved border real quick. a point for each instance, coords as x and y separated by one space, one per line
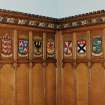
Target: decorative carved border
36 21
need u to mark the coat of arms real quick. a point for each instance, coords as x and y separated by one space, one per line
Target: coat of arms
81 47
23 48
6 46
68 48
50 48
97 46
37 46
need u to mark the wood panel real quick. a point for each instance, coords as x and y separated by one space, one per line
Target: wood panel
51 84
82 84
97 85
37 85
7 85
22 85
68 85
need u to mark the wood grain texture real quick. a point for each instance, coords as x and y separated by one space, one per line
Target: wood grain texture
82 84
68 85
51 84
7 85
97 85
37 85
22 85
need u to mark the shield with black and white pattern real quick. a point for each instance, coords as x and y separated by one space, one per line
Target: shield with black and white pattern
81 47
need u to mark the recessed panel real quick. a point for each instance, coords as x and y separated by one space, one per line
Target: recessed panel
23 45
37 45
50 45
67 46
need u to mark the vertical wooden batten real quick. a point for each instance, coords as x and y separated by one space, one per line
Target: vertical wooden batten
44 46
30 67
74 66
15 45
30 45
89 66
103 38
74 47
104 53
15 62
59 57
56 47
62 70
44 67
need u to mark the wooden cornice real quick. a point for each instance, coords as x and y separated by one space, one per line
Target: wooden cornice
43 22
81 16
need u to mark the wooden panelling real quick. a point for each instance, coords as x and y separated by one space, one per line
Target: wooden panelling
97 96
22 85
58 78
68 85
51 84
82 84
7 85
37 85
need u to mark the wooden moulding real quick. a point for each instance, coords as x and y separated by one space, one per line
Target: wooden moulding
50 60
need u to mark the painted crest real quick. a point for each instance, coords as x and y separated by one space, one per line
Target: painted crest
50 48
23 47
67 48
81 47
97 46
6 46
38 47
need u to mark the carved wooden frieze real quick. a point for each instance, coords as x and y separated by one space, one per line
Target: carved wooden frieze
27 22
52 23
83 22
37 21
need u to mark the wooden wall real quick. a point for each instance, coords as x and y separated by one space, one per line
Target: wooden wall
73 80
83 77
15 89
27 80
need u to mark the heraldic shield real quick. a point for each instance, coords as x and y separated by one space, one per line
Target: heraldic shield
6 45
97 46
23 47
38 44
81 47
67 48
50 48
